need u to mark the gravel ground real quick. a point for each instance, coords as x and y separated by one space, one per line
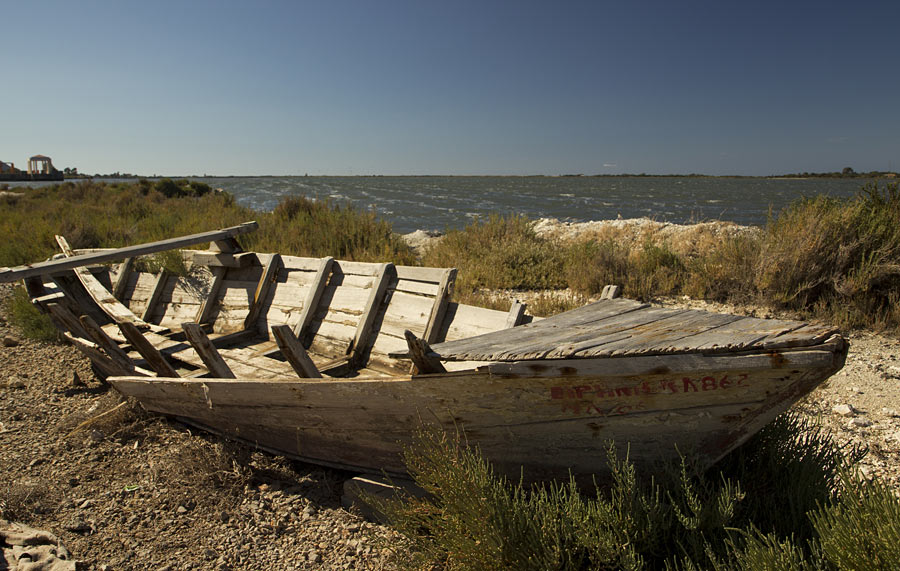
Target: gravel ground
135 491
129 490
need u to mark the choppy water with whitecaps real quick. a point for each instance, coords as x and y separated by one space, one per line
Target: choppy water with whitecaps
439 203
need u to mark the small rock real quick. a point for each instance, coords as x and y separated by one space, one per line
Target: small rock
211 553
97 436
844 410
78 526
861 422
76 380
10 341
181 510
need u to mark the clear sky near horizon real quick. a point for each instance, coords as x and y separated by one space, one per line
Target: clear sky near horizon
421 87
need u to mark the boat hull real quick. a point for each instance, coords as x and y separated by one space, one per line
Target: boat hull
554 418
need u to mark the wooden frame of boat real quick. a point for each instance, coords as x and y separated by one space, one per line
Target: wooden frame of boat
340 363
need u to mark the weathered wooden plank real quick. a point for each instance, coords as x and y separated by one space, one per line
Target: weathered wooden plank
153 357
155 295
311 303
212 297
516 314
421 355
364 331
370 269
64 318
658 336
546 335
421 274
207 351
428 289
92 351
42 268
105 342
294 352
673 366
101 296
269 274
557 343
744 333
439 309
122 277
301 264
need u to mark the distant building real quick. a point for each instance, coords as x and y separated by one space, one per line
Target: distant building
40 164
8 168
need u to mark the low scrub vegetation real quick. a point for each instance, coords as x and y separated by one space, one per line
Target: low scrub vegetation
787 499
95 214
827 258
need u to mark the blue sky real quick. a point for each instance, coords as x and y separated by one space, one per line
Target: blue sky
420 87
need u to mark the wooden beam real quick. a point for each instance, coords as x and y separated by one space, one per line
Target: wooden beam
516 314
122 278
65 319
422 356
268 277
217 366
92 351
158 286
42 268
609 292
116 353
386 274
294 352
313 297
150 354
209 301
441 300
226 245
101 296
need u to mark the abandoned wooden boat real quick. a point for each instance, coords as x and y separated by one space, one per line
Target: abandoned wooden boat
340 363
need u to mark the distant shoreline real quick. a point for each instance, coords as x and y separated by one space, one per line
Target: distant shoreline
798 176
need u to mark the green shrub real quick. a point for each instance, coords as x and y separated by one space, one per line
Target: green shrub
499 253
862 531
751 511
32 322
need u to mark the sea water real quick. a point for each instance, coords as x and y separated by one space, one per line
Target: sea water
438 203
442 202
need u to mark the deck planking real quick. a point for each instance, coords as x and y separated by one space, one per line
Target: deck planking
613 328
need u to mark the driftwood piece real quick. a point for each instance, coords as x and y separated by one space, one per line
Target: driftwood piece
294 352
422 356
146 349
207 351
44 268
